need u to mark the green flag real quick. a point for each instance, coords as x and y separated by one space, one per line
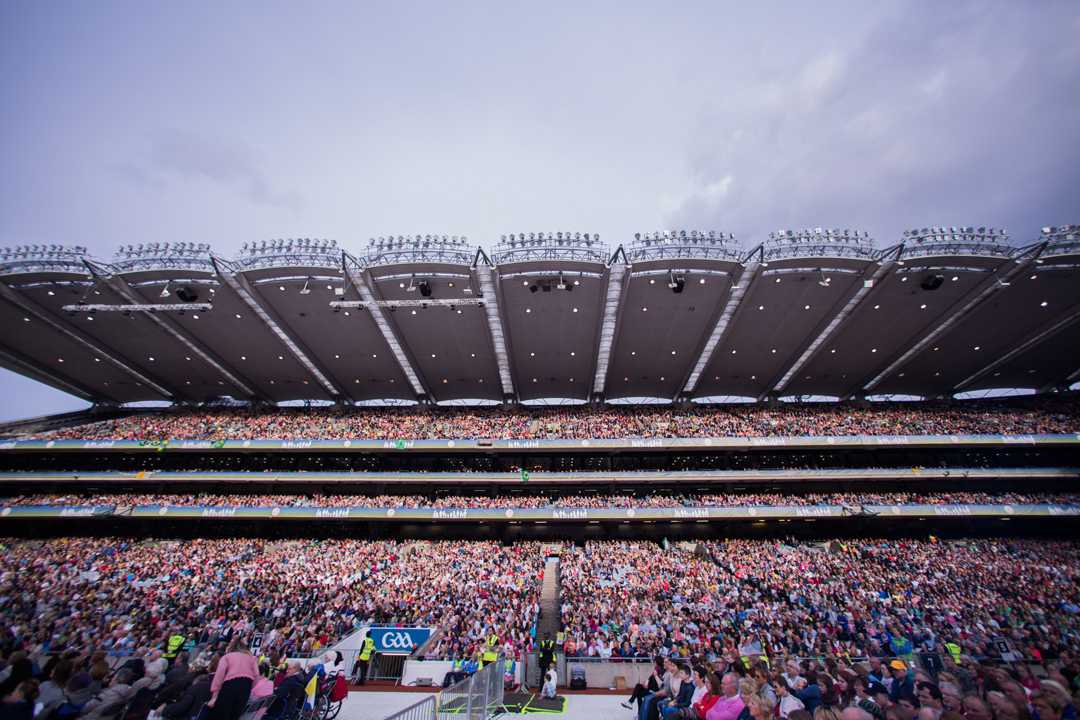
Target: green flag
524 475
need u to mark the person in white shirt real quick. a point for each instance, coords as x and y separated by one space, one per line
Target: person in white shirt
548 691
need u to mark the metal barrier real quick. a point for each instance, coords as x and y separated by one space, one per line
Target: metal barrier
477 697
426 709
386 667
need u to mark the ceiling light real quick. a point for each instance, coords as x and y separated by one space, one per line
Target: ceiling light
1043 304
777 279
733 352
432 354
97 359
450 284
194 317
281 288
571 379
923 306
672 352
760 307
459 312
752 377
243 357
644 309
575 309
774 351
976 347
525 283
357 381
633 352
373 355
188 358
661 378
877 307
59 359
955 278
833 351
280 357
873 350
701 281
806 307
444 381
1034 276
347 313
528 310
652 281
150 358
572 353
532 354
51 293
903 279
26 319
936 349
413 312
472 354
238 316
336 356
534 379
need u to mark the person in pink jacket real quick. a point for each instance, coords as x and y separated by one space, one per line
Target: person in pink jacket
231 687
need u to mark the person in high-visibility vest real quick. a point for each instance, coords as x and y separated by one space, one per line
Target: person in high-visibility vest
546 655
366 653
173 646
491 649
954 651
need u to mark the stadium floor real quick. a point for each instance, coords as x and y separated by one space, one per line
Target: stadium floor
377 705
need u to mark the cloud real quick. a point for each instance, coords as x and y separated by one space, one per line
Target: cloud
186 156
962 113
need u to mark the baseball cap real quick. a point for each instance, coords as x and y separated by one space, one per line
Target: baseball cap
898 665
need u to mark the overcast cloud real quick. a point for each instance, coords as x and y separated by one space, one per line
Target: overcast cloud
130 122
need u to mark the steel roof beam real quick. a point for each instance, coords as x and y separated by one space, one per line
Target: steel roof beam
999 278
740 288
486 280
32 308
17 362
613 305
356 274
1023 347
239 284
886 261
121 287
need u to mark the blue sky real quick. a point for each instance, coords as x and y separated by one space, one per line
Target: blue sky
231 122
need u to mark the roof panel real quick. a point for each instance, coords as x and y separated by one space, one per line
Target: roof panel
347 343
891 317
552 334
450 346
1000 323
782 312
660 332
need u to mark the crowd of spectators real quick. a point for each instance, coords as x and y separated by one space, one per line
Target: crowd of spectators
120 596
1029 416
878 598
575 501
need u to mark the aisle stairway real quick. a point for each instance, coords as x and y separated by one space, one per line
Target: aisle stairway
549 624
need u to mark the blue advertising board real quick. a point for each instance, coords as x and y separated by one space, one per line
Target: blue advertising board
398 640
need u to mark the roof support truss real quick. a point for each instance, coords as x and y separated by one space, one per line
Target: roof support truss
753 264
1023 347
31 308
999 278
884 265
18 362
609 320
486 280
355 272
120 286
240 286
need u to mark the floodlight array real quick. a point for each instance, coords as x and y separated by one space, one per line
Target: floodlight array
539 246
684 244
936 241
819 243
291 252
403 249
163 256
1063 240
42 258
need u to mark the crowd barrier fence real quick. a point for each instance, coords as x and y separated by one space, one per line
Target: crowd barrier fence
425 709
478 696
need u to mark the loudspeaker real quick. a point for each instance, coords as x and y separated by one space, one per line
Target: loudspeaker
186 294
932 282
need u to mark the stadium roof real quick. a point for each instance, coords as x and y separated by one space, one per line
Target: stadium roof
549 315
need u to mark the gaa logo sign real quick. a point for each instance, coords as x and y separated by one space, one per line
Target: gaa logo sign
399 641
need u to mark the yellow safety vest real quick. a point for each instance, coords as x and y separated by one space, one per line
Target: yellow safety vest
369 647
173 646
954 650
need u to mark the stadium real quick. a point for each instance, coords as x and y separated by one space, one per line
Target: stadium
674 476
